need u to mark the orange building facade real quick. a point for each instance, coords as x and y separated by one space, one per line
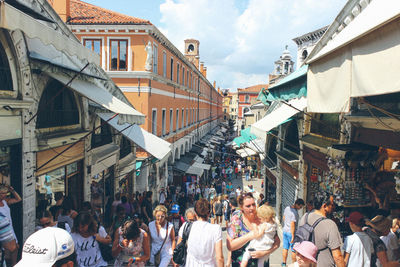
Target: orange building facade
169 87
246 97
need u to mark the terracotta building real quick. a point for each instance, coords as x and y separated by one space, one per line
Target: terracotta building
169 87
246 98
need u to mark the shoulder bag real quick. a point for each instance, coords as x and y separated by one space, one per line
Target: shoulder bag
105 249
157 256
180 250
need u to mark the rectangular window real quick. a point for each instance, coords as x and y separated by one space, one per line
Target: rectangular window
177 120
191 81
164 121
183 76
187 117
154 122
177 72
171 120
183 118
164 56
155 59
118 55
326 124
172 69
94 45
187 78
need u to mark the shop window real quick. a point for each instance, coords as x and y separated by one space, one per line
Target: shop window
94 45
57 107
292 138
326 124
66 180
118 55
102 189
102 135
124 148
6 83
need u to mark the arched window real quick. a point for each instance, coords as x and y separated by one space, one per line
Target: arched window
5 73
286 67
245 110
292 138
55 108
304 54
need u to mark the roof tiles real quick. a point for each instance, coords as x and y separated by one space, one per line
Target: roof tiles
84 13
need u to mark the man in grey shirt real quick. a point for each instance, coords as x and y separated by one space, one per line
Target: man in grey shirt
326 233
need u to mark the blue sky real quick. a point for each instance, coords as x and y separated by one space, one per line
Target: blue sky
239 39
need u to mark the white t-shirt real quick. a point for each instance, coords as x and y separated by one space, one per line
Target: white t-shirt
360 248
201 244
391 243
88 251
291 215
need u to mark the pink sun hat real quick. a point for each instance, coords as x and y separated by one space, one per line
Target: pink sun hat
307 249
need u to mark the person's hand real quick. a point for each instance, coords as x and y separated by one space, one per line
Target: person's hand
291 241
124 243
257 254
256 233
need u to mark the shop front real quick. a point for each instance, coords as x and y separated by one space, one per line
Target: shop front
290 185
60 172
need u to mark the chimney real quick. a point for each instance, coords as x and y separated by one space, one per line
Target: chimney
214 84
205 72
62 7
201 67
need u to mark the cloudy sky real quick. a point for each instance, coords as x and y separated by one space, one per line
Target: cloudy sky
239 39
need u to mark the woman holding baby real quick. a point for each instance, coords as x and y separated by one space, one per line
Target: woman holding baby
252 233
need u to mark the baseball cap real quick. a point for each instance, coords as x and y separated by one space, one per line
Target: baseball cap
46 246
175 208
356 217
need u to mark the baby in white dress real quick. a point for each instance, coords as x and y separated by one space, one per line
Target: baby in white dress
265 242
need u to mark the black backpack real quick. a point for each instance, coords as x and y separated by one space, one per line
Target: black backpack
305 232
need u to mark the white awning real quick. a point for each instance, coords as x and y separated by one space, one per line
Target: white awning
277 117
201 165
361 60
102 97
246 152
156 146
14 19
257 145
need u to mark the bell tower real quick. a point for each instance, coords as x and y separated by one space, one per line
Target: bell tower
192 51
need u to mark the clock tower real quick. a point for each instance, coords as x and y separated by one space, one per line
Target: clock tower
192 51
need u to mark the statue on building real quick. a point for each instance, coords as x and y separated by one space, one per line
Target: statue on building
149 59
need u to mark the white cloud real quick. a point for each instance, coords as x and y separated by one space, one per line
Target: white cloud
239 45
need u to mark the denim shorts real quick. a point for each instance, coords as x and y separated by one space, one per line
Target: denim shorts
287 237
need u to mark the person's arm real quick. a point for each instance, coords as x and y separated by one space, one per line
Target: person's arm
292 230
261 253
16 197
338 257
219 254
346 258
145 213
236 243
116 248
102 236
382 256
172 236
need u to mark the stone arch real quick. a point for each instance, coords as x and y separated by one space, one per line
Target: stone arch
292 137
170 159
187 146
183 149
176 155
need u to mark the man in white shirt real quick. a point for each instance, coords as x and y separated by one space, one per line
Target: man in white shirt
391 242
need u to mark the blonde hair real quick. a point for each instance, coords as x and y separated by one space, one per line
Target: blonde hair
161 208
395 222
266 212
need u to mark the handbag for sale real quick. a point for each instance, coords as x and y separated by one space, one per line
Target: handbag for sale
180 250
157 256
